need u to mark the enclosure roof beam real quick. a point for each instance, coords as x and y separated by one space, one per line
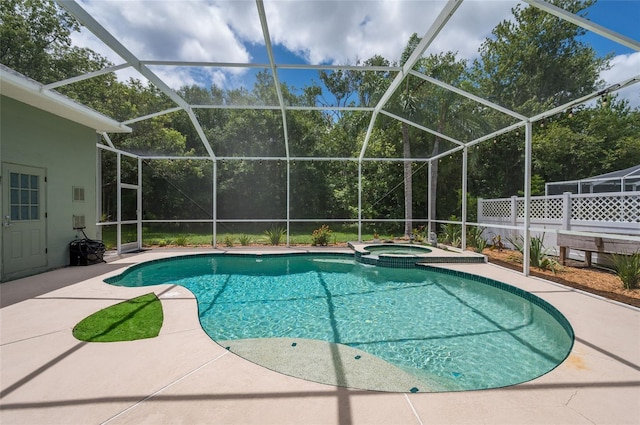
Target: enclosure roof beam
585 23
86 76
267 65
288 108
445 14
610 89
267 41
421 127
107 38
497 133
469 95
156 114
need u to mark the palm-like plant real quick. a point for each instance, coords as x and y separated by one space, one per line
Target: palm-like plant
628 269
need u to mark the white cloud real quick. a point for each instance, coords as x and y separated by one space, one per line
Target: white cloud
338 32
170 30
622 68
319 31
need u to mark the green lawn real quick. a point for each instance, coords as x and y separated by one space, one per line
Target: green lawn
202 236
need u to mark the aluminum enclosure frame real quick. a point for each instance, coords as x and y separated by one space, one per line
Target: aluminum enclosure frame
446 13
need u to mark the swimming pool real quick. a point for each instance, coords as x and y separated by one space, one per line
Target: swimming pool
449 331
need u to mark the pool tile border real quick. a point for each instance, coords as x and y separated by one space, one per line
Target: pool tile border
547 307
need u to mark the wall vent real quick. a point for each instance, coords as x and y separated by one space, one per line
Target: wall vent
78 194
79 222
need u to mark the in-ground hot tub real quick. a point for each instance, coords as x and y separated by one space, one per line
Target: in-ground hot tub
391 255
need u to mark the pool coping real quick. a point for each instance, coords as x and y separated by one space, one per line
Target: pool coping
183 377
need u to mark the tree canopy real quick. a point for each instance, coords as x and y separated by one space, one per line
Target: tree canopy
529 63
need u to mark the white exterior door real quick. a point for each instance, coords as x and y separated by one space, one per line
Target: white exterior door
23 219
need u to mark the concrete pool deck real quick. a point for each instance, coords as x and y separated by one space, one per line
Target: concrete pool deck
182 376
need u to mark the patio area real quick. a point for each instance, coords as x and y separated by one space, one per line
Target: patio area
182 376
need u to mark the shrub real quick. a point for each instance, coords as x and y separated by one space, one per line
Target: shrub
420 234
451 233
321 236
244 239
228 240
275 235
538 254
628 269
496 243
181 240
475 239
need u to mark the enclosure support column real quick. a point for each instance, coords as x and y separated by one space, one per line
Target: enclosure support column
98 192
214 207
429 195
139 204
464 198
288 203
119 202
359 200
527 199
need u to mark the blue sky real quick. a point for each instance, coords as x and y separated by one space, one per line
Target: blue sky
623 15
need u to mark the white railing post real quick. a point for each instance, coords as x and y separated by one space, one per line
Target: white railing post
479 206
566 211
514 215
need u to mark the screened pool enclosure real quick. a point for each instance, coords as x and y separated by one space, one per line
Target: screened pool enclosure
271 97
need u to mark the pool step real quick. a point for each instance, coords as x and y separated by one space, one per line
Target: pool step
409 261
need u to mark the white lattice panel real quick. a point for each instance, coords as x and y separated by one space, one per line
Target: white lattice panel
496 208
604 207
609 208
547 208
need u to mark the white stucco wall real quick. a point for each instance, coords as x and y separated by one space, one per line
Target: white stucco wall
66 150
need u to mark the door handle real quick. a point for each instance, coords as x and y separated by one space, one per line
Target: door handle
7 224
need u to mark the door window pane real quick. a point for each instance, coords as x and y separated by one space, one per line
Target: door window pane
25 196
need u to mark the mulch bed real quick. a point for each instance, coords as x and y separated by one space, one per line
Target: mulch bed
558 279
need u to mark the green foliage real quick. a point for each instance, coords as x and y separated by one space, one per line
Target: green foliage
539 256
451 233
475 238
137 318
181 240
275 235
228 240
513 70
321 236
628 269
244 239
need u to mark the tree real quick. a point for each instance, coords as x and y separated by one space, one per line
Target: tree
536 60
588 142
530 63
35 40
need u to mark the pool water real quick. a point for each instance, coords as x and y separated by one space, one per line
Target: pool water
451 332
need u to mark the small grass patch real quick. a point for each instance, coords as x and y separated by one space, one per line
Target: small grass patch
137 318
